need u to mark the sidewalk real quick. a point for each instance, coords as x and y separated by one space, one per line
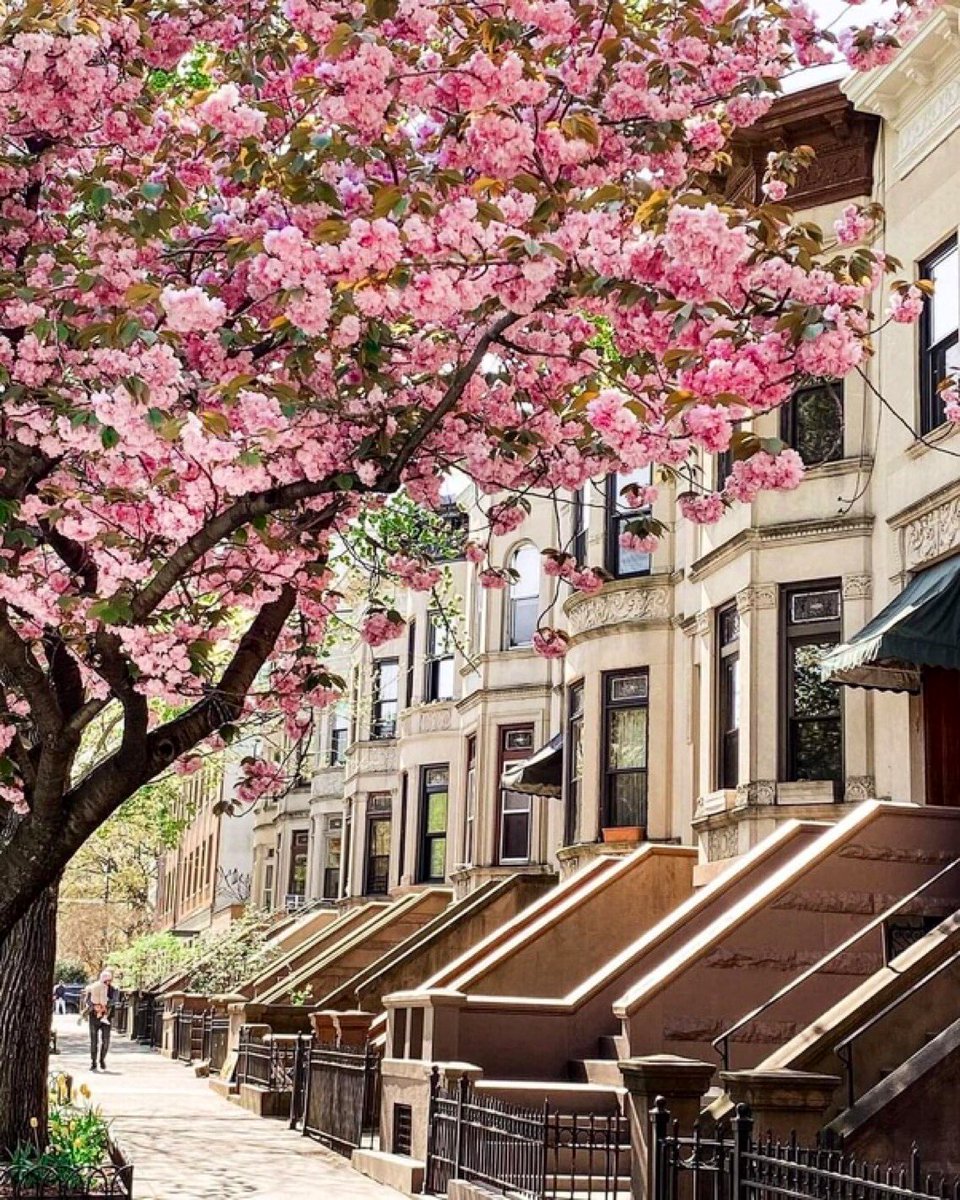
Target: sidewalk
185 1142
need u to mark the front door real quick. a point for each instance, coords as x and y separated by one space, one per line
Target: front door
941 702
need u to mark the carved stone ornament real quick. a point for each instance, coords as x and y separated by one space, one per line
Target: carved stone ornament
703 623
722 843
936 120
859 787
759 792
433 720
857 587
377 758
758 595
934 534
626 604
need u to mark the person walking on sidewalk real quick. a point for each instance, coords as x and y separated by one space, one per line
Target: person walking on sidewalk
100 997
59 998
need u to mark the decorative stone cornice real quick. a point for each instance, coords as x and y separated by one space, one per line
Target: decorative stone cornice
918 94
427 718
813 530
821 117
632 601
857 587
757 595
932 534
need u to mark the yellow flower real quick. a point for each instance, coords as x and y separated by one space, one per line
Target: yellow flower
84 1091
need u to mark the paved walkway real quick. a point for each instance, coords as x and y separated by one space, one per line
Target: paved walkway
186 1142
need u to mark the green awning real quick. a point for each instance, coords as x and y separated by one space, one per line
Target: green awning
539 775
920 628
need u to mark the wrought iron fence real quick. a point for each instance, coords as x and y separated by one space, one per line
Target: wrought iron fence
533 1154
336 1097
121 1014
156 1024
731 1165
215 1039
143 1017
187 1035
268 1064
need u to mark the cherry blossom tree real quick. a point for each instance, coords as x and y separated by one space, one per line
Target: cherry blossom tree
264 265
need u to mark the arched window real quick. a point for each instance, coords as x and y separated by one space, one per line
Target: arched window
523 604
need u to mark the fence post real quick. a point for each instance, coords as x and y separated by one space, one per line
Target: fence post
297 1081
659 1124
742 1136
546 1147
462 1084
914 1168
431 1127
306 1087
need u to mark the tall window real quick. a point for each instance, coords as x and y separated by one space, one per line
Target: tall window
411 663
621 562
299 850
439 680
728 707
268 871
812 421
339 732
470 798
386 680
626 696
354 702
434 803
812 728
523 603
333 839
377 869
939 352
515 807
574 763
580 524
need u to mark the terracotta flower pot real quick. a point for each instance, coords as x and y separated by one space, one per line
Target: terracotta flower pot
631 834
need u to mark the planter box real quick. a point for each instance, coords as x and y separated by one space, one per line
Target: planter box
628 835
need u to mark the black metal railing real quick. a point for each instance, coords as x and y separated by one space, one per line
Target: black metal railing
155 1040
531 1154
729 1164
143 1017
121 1014
183 1034
336 1097
266 1064
879 924
215 1039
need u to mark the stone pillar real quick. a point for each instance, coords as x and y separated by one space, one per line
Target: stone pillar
323 1028
859 772
783 1101
681 1082
352 1028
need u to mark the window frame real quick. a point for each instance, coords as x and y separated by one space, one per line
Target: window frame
434 661
725 653
814 632
614 518
470 801
931 415
790 420
609 706
299 851
426 838
573 784
379 812
410 673
512 600
581 525
505 756
337 758
384 729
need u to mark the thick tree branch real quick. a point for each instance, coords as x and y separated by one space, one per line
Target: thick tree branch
17 657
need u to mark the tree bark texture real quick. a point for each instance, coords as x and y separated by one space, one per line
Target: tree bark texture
26 1005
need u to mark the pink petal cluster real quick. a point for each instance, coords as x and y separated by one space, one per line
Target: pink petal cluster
225 111
550 643
764 472
853 225
413 573
906 306
192 310
381 626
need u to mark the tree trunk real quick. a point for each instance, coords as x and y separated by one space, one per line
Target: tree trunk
26 1005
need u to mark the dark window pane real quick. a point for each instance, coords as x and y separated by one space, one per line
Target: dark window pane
813 422
516 836
817 750
628 798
